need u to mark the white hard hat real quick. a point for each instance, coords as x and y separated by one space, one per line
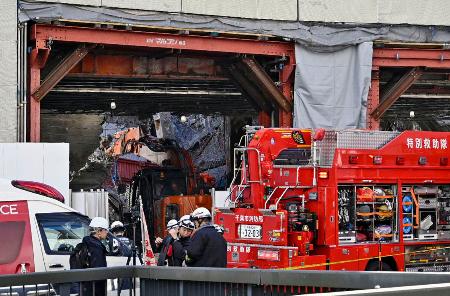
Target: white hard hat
116 224
99 222
185 217
186 222
172 224
201 213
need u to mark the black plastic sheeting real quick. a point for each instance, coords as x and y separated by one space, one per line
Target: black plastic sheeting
204 138
320 36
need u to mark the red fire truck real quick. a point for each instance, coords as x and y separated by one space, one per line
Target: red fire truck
339 200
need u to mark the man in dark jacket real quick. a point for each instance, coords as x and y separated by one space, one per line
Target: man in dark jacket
207 247
186 227
165 246
97 254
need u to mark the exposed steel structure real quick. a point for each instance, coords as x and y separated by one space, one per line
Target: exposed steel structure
44 35
416 59
353 200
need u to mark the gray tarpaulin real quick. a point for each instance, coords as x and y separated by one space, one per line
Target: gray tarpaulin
331 88
321 36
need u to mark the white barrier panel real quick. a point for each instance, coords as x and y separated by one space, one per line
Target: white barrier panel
220 198
90 203
40 162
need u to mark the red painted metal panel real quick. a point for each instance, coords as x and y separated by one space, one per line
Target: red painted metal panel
401 57
128 168
35 105
161 40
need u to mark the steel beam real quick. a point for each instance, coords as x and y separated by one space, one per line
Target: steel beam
60 71
287 82
145 65
42 33
267 85
373 99
34 105
264 119
251 90
402 57
391 95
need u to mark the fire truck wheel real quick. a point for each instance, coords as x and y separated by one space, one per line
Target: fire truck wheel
375 266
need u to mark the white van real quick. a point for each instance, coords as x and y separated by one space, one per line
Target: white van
38 231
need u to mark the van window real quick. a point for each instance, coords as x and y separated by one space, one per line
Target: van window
12 232
61 232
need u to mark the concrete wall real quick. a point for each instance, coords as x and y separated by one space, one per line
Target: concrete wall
8 71
420 12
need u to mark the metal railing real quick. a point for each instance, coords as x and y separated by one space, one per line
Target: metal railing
175 281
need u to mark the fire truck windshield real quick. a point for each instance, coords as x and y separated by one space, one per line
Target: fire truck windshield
293 156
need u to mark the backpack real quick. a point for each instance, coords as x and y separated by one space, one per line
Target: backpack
79 259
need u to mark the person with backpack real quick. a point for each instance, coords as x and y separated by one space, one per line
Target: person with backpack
91 253
165 246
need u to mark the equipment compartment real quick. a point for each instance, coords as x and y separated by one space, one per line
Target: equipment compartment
374 213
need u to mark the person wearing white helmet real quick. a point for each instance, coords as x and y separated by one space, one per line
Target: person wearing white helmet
97 252
186 227
118 231
207 247
164 246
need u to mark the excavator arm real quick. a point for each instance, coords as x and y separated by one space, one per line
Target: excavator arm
163 152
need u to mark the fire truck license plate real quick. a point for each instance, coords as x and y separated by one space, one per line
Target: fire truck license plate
250 231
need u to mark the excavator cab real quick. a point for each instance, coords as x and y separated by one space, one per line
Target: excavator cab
156 186
165 196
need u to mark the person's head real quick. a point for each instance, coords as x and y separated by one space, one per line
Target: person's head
186 226
117 228
172 224
201 216
99 227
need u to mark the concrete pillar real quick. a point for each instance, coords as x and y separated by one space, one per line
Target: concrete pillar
8 71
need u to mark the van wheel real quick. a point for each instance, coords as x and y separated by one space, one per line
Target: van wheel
375 266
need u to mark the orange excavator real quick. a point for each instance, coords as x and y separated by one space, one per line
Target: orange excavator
171 187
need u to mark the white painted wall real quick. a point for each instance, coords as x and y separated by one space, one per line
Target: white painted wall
256 9
420 12
40 162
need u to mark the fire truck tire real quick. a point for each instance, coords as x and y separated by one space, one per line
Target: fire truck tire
375 266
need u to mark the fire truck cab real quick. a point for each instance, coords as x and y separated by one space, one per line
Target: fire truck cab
339 200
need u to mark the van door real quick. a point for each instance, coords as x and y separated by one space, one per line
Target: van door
60 233
16 255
